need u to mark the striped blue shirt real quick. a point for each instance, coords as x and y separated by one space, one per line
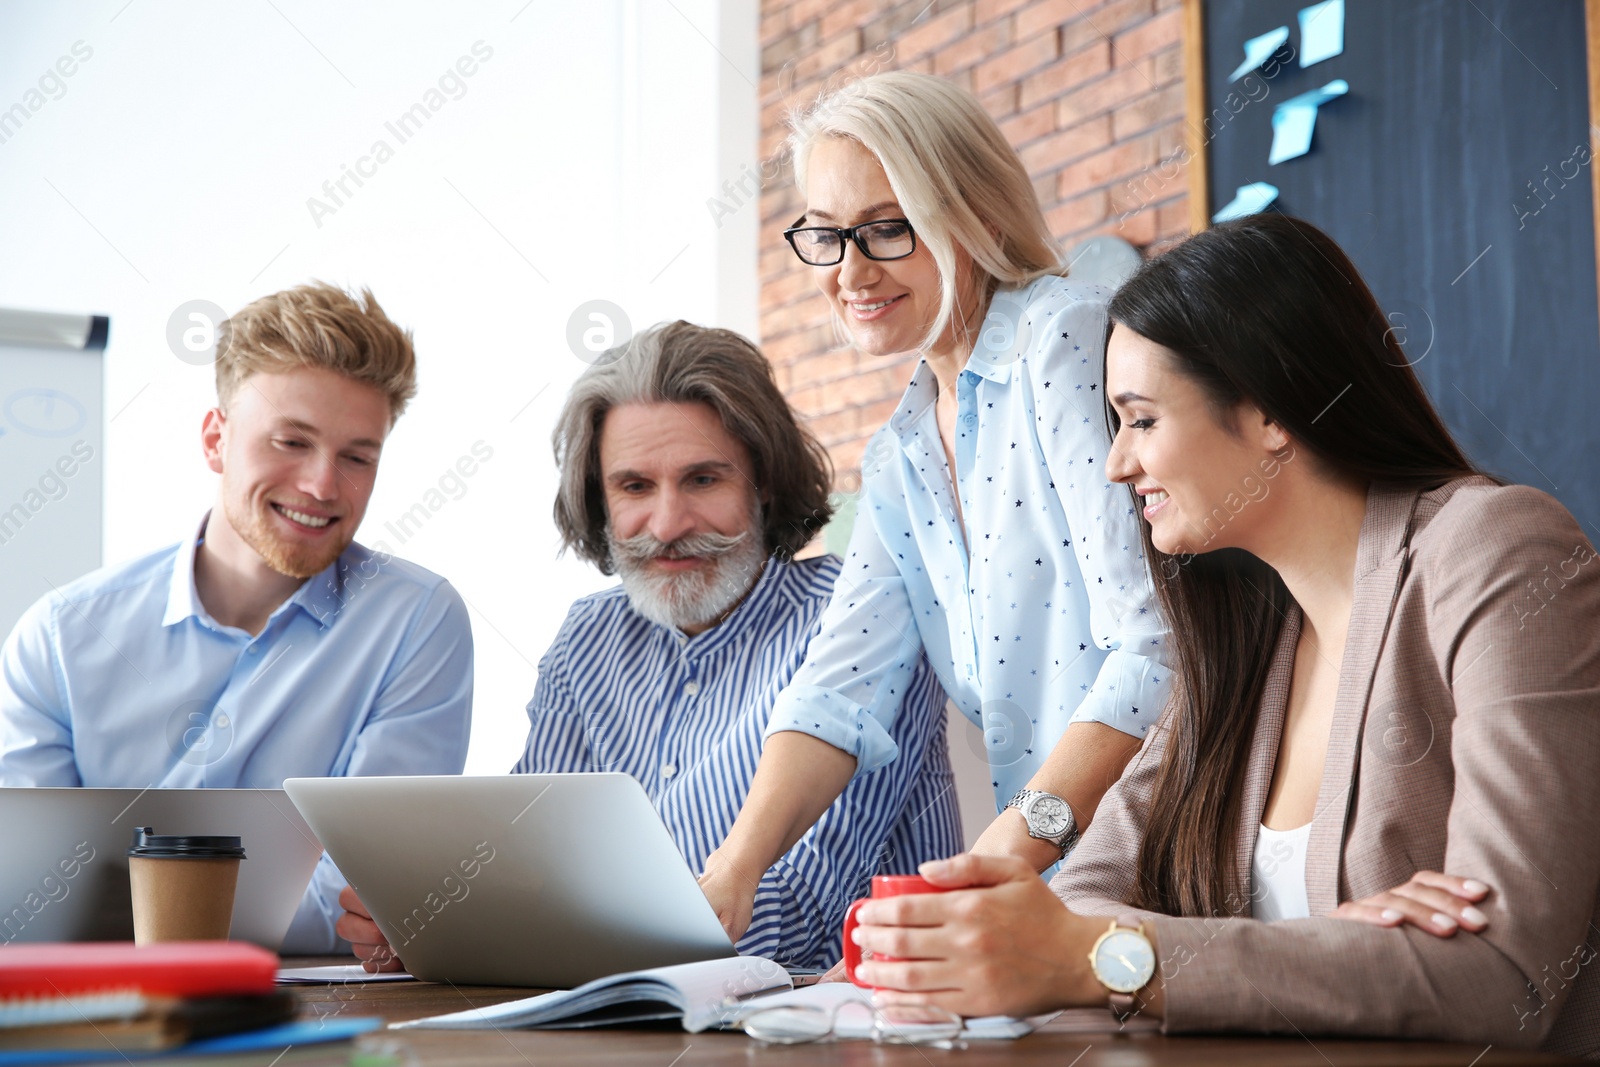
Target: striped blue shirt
685 716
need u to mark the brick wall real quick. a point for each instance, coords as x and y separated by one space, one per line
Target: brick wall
1089 92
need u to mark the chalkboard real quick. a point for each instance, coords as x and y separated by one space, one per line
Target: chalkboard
51 445
1456 172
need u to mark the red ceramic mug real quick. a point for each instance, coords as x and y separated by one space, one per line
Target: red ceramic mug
883 885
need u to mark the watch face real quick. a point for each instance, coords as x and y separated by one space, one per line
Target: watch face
1050 816
1124 961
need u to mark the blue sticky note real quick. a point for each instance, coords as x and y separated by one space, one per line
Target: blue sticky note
1294 120
1258 49
1248 200
1321 31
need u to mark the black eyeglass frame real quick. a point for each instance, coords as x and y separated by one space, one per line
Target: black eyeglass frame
849 233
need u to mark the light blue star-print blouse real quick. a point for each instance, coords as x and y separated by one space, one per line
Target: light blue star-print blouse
1039 612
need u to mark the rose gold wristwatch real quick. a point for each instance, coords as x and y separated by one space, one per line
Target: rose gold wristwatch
1124 961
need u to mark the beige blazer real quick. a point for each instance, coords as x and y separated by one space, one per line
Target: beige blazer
1465 739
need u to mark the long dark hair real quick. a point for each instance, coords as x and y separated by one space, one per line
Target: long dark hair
1270 310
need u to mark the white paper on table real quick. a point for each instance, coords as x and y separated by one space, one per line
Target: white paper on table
338 974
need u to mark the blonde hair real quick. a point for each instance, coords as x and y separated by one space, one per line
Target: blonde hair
317 325
956 177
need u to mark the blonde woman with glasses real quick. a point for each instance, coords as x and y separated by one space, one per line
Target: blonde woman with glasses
987 536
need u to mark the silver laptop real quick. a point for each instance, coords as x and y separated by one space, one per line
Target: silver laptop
65 872
528 879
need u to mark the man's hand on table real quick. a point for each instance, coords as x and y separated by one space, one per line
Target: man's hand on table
731 889
356 926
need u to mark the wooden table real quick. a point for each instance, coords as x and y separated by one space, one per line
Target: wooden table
1053 1045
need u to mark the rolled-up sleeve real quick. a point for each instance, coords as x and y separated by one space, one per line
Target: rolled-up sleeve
857 668
1124 616
802 898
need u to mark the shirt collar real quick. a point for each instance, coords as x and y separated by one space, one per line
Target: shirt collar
991 365
921 393
183 599
1004 338
322 596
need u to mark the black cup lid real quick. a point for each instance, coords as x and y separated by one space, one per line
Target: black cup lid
146 842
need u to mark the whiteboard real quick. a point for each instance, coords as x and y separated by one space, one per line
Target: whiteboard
52 445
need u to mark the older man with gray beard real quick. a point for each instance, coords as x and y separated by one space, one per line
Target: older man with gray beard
684 472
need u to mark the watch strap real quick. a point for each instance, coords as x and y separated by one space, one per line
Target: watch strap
1125 1006
1064 841
1021 797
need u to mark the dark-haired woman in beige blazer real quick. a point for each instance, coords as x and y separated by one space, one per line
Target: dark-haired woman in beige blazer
1390 667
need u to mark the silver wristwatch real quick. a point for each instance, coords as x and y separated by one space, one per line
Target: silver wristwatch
1049 817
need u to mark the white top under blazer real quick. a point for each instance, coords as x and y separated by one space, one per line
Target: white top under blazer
1278 874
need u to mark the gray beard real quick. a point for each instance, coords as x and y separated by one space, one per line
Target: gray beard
680 601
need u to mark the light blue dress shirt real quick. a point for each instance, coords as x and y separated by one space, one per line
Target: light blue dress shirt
1035 607
685 717
123 679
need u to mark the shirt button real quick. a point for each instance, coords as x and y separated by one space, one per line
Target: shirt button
255 650
668 770
691 687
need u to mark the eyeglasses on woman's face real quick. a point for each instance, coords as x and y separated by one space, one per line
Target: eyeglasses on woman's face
823 246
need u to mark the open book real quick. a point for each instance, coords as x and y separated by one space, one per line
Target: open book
703 996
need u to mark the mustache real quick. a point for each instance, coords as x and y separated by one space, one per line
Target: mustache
643 547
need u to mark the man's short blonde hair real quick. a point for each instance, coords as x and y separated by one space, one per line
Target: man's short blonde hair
317 325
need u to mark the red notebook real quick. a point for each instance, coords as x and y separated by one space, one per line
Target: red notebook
174 969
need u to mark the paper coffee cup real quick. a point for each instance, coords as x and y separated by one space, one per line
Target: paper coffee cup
183 887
